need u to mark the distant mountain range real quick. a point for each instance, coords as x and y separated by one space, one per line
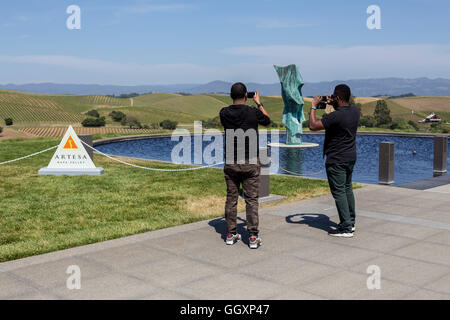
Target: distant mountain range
360 87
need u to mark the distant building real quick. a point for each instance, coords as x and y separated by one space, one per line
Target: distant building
431 118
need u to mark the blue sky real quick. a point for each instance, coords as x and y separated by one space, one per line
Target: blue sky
164 42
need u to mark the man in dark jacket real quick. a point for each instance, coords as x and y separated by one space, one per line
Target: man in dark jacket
340 149
242 165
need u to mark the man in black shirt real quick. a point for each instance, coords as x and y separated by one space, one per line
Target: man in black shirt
242 166
340 149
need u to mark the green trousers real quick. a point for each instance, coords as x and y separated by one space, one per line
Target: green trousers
340 181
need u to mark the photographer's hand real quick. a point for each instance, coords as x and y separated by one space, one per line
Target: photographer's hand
316 101
257 99
314 124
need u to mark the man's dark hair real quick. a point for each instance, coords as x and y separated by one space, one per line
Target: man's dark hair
343 92
238 91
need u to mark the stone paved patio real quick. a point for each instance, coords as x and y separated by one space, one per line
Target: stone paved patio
405 232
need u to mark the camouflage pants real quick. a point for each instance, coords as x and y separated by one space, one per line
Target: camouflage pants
248 176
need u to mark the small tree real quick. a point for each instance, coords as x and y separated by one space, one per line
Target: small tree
9 121
94 122
382 114
169 124
131 122
117 116
93 113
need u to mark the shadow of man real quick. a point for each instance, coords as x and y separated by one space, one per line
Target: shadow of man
220 225
313 220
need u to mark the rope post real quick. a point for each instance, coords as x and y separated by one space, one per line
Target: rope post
264 178
87 139
440 155
386 163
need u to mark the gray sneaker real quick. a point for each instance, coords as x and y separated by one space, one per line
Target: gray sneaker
254 242
233 238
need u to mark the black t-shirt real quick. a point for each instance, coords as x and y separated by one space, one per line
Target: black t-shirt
243 117
340 134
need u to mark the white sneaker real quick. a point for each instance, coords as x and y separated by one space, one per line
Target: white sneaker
233 238
254 242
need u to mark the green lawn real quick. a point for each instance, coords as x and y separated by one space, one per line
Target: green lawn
41 214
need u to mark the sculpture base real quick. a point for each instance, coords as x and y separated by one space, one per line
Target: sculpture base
303 145
71 172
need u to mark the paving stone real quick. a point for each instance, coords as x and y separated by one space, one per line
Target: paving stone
407 271
426 295
172 273
53 274
232 286
111 286
442 285
11 286
125 256
380 242
338 255
348 285
287 270
405 230
442 237
427 252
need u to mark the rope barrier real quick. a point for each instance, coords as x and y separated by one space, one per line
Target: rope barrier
147 168
303 175
28 156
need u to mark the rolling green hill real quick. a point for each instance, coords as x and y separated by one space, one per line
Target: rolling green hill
49 110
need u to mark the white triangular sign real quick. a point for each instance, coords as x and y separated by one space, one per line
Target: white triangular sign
71 154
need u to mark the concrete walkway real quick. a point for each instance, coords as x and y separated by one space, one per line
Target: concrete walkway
404 232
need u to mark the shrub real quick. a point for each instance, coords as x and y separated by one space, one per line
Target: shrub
399 123
169 124
367 121
131 122
155 126
305 124
414 125
1 129
9 121
211 123
117 116
93 122
93 113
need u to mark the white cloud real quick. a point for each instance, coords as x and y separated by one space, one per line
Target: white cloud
334 62
147 8
279 24
253 64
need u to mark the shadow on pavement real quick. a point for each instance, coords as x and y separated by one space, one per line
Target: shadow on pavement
221 228
313 220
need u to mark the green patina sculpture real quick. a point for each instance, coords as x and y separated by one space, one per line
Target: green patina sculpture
291 90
